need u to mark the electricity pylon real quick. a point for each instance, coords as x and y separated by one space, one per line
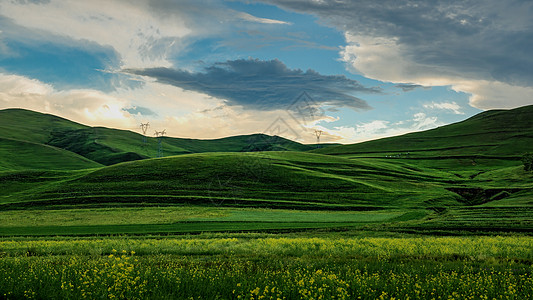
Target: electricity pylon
144 128
318 133
159 135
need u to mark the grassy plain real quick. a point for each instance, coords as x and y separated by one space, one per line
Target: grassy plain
261 266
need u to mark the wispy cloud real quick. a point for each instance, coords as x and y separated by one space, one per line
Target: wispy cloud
264 85
407 87
250 18
453 106
143 33
379 129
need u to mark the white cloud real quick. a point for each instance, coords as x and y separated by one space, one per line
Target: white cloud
385 59
85 106
477 47
378 129
453 106
494 94
250 18
142 36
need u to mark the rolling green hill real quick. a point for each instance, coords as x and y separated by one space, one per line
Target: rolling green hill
23 155
496 133
110 146
270 179
465 180
265 179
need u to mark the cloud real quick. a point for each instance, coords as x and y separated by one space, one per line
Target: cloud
139 110
65 62
89 107
407 87
144 33
250 18
458 43
378 129
453 106
185 114
263 85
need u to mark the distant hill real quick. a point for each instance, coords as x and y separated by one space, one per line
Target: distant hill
57 143
496 133
110 146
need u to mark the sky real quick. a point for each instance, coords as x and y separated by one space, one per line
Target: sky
355 70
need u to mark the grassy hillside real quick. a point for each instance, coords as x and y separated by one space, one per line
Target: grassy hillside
275 179
23 155
268 179
266 191
497 133
110 146
21 124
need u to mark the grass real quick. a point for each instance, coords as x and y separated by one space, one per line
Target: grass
266 191
251 267
165 215
165 220
247 177
32 156
481 219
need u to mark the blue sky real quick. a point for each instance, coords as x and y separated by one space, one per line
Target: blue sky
209 69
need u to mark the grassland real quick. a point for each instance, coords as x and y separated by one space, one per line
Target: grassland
265 267
341 222
256 191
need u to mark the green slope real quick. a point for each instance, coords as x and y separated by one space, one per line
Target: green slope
497 133
23 155
266 179
21 124
110 146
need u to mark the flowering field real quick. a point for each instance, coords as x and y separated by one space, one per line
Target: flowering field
253 266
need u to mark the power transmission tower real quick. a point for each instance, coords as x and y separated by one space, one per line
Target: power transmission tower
159 135
318 133
144 128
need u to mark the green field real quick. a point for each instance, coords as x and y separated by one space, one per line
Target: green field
253 266
445 213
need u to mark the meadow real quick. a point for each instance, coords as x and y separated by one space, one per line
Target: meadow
263 266
90 213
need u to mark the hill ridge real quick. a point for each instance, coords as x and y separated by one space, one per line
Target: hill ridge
109 146
481 134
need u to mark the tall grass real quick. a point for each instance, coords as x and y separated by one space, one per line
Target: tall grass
268 268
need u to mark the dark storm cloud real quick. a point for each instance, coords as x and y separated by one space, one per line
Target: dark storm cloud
490 39
265 85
